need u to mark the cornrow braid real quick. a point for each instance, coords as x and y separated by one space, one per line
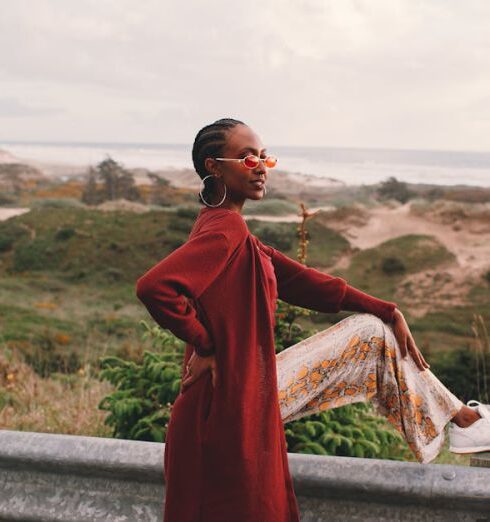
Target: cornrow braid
209 143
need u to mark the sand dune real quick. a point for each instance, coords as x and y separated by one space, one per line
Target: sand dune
471 248
444 286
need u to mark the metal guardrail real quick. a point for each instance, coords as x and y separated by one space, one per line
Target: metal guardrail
48 477
481 460
52 477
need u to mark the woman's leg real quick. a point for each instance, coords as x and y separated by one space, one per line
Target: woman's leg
356 360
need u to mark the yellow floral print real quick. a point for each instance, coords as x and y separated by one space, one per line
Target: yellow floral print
356 360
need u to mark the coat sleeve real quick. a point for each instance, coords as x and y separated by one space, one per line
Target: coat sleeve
304 286
186 273
307 287
356 300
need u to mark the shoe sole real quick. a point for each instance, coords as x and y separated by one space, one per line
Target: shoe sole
474 449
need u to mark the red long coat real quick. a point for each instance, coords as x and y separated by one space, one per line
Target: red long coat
225 453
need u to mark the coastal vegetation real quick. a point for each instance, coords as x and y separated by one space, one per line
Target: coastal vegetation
73 335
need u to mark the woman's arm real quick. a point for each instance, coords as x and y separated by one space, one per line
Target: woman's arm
307 287
357 301
310 288
186 272
304 286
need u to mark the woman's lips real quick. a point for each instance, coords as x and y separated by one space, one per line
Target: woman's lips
258 184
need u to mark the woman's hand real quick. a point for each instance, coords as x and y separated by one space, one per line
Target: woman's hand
406 341
197 366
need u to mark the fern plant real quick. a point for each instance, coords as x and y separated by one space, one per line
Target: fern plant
353 430
140 406
287 330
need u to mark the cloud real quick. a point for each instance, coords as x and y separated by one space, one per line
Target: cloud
12 108
399 73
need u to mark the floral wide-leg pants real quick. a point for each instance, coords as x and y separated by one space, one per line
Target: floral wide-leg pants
357 360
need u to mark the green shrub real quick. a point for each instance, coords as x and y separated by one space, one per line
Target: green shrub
187 212
180 224
276 237
392 265
354 430
6 199
10 233
287 330
37 254
58 203
140 407
64 233
271 207
394 189
6 243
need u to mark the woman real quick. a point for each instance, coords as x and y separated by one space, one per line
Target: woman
225 453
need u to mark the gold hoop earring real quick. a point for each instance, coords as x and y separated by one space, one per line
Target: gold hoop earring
204 187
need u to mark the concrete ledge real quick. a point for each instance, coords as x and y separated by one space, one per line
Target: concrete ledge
51 477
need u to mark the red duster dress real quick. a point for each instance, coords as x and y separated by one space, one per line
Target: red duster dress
225 453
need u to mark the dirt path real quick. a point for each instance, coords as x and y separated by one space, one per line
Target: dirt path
470 246
6 213
443 286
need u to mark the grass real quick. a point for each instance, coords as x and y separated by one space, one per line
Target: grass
68 320
61 404
67 286
455 321
324 248
102 247
414 253
271 207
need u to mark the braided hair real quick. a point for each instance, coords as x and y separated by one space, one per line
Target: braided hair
209 143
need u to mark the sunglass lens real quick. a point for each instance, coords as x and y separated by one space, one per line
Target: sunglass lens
251 161
270 161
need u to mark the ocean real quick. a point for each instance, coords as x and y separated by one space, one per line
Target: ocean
352 166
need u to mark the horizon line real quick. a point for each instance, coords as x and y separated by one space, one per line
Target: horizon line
163 144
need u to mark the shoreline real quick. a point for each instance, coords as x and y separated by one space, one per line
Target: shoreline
185 177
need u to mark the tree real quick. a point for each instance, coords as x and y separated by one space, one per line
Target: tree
126 187
116 181
110 171
90 194
161 192
394 189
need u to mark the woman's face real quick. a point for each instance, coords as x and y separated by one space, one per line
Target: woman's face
241 182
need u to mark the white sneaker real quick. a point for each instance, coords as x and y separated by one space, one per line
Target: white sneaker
474 438
474 404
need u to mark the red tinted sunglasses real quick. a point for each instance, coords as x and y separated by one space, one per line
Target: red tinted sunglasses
252 162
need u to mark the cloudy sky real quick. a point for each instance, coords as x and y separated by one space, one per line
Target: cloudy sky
365 73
